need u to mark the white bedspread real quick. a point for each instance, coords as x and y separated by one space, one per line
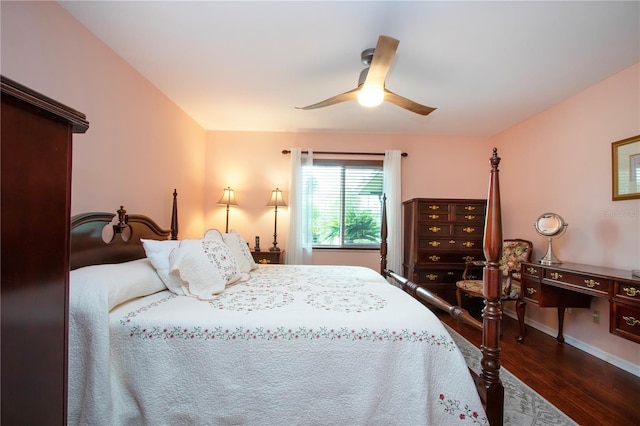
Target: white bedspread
303 345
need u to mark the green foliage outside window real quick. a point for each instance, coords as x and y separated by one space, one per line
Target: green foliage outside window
360 228
347 204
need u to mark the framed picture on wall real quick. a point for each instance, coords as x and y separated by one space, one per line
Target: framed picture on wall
625 157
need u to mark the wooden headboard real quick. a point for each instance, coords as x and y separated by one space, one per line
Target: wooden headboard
87 246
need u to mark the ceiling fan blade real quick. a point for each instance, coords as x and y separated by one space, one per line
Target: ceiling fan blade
407 103
382 57
343 97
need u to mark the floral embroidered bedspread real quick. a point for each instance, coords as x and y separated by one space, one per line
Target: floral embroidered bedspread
296 345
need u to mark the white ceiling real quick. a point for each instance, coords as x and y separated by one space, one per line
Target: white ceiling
485 65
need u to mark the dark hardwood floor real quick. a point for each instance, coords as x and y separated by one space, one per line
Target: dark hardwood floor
587 389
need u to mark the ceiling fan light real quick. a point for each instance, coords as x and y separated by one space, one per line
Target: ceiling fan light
370 96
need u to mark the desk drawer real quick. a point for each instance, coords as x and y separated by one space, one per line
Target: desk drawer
546 295
588 284
531 270
629 293
531 290
625 321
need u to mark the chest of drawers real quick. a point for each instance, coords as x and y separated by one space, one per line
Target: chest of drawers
440 235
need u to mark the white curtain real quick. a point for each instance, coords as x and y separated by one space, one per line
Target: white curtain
299 240
392 171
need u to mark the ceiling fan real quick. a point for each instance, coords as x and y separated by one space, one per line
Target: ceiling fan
370 90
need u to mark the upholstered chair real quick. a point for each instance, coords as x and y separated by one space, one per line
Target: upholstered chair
514 252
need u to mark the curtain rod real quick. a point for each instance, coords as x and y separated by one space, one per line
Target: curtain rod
286 151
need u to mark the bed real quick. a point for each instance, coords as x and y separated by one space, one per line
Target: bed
283 344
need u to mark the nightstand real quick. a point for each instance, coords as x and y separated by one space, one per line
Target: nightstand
268 257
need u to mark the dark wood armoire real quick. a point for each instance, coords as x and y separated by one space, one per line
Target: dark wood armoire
36 151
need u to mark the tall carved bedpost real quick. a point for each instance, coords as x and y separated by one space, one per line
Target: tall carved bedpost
174 216
492 313
383 237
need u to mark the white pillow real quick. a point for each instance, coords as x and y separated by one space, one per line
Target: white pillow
119 281
240 249
238 246
204 267
158 252
213 234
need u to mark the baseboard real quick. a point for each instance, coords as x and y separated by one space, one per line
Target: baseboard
591 350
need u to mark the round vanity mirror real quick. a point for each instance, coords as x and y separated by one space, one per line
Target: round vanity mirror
550 225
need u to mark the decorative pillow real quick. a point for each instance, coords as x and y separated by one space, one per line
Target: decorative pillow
213 234
204 267
240 249
119 282
158 252
238 246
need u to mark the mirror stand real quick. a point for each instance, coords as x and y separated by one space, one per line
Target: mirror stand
550 225
550 258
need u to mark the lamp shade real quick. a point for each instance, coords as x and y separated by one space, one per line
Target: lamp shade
228 198
276 199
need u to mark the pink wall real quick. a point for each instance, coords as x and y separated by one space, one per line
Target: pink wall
253 165
560 161
139 146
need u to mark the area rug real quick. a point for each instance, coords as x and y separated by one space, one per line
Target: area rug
522 405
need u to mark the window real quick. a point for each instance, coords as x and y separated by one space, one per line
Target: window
346 203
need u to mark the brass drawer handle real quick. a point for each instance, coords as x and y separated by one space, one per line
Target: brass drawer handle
468 244
452 241
468 230
431 277
531 290
631 321
532 270
631 291
264 261
434 243
555 275
434 258
469 208
468 258
434 216
469 217
435 229
434 207
449 273
591 283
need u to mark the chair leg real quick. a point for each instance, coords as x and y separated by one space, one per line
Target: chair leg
520 308
459 297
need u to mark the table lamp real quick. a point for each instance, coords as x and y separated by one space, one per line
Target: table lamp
228 199
276 201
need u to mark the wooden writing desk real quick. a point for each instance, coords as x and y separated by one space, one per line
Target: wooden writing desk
573 285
